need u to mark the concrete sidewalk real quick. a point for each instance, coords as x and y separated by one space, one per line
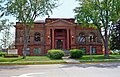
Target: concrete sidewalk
69 60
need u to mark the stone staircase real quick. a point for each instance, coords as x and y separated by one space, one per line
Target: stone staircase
67 53
67 58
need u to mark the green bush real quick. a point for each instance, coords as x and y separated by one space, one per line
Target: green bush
76 53
2 53
55 54
115 52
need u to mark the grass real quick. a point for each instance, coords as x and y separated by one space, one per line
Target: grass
30 60
47 60
100 58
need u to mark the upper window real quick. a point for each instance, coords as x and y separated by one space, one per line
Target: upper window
81 38
92 37
37 37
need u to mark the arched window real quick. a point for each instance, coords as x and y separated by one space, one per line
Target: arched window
92 37
81 38
37 37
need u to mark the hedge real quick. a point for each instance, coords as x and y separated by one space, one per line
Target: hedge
55 54
76 53
2 53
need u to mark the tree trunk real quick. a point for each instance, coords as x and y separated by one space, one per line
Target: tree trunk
106 29
106 44
25 47
25 42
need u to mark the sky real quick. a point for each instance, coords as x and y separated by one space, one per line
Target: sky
65 10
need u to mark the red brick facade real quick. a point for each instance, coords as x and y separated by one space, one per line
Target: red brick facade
58 33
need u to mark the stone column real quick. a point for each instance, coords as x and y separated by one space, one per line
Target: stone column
53 40
68 39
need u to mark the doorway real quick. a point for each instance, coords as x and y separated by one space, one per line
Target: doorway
59 44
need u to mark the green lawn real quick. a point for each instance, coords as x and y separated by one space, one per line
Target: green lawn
100 58
47 60
30 60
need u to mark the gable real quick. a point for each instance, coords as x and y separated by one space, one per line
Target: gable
60 22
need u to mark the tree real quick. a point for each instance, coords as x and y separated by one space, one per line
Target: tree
2 26
115 37
26 12
3 22
6 39
5 26
6 36
99 13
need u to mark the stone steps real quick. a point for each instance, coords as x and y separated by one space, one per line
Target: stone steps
67 53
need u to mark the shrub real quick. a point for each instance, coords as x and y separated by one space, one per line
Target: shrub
55 54
115 52
76 53
2 53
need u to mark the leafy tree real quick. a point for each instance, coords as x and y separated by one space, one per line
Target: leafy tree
2 26
6 38
26 12
3 22
99 13
115 37
5 26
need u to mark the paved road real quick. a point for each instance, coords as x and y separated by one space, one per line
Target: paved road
62 70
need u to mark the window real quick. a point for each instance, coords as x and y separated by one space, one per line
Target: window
83 48
27 52
92 37
93 50
81 38
37 51
37 37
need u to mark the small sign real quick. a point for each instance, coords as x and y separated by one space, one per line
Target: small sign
13 51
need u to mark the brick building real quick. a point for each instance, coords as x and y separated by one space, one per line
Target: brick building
58 33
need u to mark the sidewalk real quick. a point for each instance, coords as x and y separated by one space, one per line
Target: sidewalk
69 60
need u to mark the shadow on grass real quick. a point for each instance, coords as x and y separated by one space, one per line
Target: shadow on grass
9 59
16 59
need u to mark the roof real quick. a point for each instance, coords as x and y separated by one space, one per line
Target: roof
72 20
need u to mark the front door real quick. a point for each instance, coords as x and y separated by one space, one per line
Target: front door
59 44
